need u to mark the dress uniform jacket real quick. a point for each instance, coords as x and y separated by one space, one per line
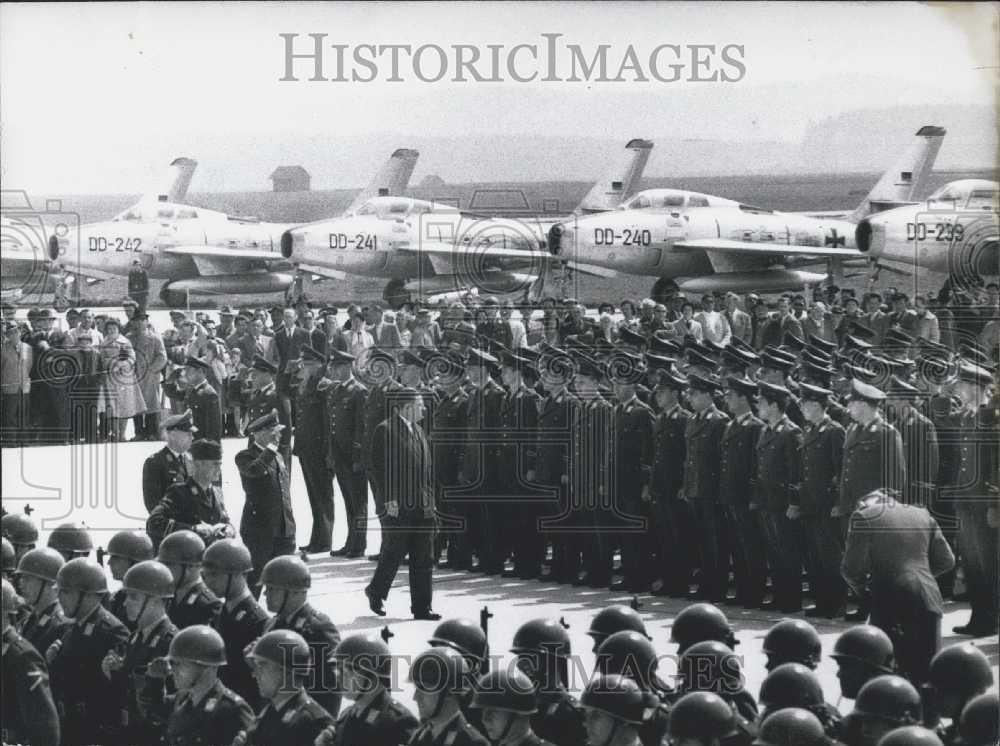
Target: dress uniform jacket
457 732
634 425
555 437
159 472
920 449
481 471
323 637
560 718
184 506
779 466
215 719
239 626
701 465
198 605
669 453
298 722
671 515
382 721
376 411
206 410
451 417
267 522
87 714
43 628
28 711
345 406
873 459
822 460
738 468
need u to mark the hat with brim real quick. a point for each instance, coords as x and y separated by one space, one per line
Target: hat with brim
861 391
268 421
264 366
700 382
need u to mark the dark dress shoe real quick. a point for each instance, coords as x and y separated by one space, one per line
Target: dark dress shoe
354 555
580 580
338 552
975 630
618 585
373 557
814 612
859 615
769 606
511 574
428 615
375 604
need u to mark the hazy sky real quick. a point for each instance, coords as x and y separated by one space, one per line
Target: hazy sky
97 97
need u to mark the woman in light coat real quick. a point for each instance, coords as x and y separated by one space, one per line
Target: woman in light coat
123 395
150 360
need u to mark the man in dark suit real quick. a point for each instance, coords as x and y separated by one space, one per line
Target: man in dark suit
171 464
822 457
194 503
267 526
202 399
401 462
312 434
737 481
288 341
701 483
894 552
345 408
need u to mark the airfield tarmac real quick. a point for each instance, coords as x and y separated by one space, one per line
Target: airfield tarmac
100 485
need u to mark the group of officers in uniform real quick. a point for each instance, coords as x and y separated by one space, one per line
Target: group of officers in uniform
184 654
692 462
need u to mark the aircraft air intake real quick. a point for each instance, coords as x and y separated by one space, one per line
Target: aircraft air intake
863 236
53 248
286 244
554 239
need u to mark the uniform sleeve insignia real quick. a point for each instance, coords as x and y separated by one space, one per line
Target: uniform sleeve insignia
300 622
371 717
38 677
240 615
211 704
287 717
450 738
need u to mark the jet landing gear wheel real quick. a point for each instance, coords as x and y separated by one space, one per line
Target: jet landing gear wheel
172 298
663 289
395 293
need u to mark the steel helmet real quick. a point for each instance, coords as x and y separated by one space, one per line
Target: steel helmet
9 556
19 529
199 644
71 537
792 641
723 673
628 654
229 556
866 644
790 685
701 715
10 601
132 545
284 648
181 548
462 635
619 697
440 669
791 727
286 572
618 618
701 622
910 735
890 698
507 690
42 563
963 670
365 654
82 575
542 636
978 724
150 578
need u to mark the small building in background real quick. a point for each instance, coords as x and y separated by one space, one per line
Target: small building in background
290 179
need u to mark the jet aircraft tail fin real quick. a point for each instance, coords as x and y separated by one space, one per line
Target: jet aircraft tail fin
906 176
391 180
616 184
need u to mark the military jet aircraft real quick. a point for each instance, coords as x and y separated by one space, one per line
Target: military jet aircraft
199 251
428 248
703 243
955 231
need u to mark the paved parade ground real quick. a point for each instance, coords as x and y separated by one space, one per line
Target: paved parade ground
104 481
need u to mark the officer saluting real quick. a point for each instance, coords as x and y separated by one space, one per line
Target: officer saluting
171 464
264 398
194 504
267 526
312 434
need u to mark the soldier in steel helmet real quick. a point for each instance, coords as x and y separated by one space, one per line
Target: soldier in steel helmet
441 678
507 701
36 577
126 549
88 715
203 711
193 603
